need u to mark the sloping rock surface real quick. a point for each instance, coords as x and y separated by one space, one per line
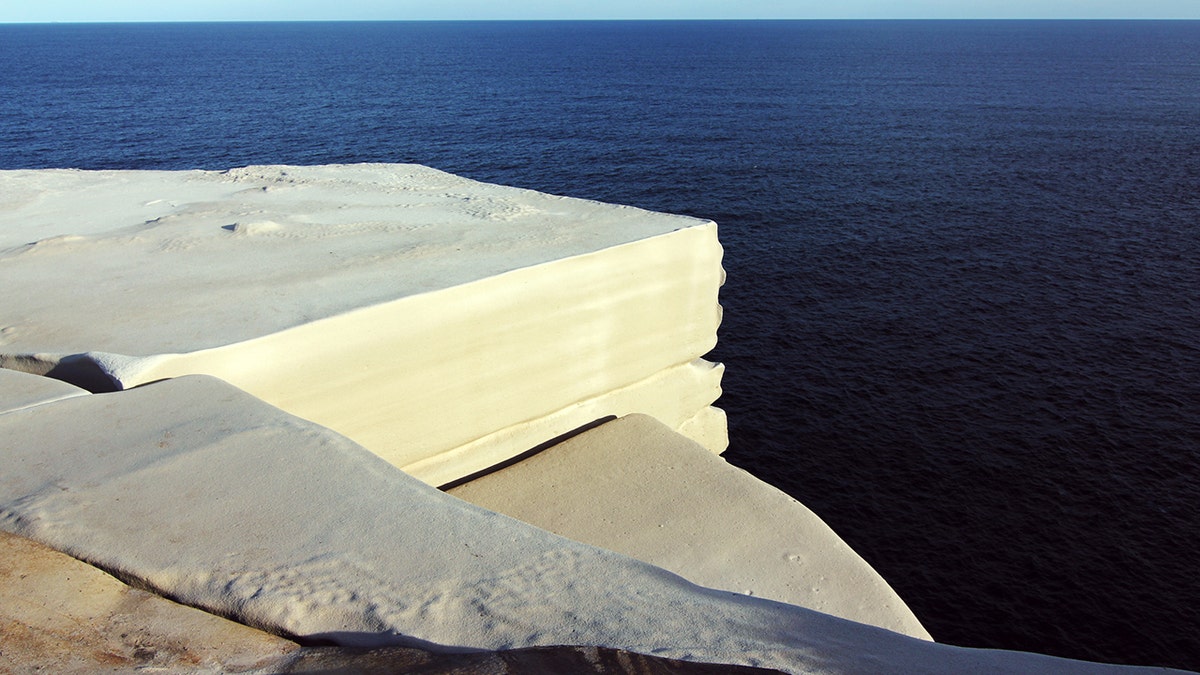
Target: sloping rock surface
21 390
635 487
59 615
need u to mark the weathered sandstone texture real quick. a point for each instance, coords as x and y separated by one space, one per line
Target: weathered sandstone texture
59 615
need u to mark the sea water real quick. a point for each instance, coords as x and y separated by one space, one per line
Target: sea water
962 321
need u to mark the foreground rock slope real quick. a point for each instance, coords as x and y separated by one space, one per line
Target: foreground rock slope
197 490
59 615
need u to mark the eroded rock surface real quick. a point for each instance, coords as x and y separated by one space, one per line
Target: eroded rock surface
59 615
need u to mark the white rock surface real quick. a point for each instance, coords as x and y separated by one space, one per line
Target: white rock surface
635 487
672 395
414 311
197 489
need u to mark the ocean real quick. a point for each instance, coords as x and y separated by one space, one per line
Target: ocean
962 320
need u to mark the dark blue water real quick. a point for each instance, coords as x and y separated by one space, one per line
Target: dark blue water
963 311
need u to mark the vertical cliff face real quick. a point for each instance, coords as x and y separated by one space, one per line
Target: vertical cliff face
444 324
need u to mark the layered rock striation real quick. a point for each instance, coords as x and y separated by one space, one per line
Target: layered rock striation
444 324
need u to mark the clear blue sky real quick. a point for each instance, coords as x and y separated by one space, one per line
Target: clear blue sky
307 10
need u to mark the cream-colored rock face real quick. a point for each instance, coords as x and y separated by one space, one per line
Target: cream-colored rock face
673 396
443 323
418 376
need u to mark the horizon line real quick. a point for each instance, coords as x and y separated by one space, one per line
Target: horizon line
584 20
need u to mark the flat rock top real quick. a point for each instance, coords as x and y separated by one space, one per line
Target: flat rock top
175 261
